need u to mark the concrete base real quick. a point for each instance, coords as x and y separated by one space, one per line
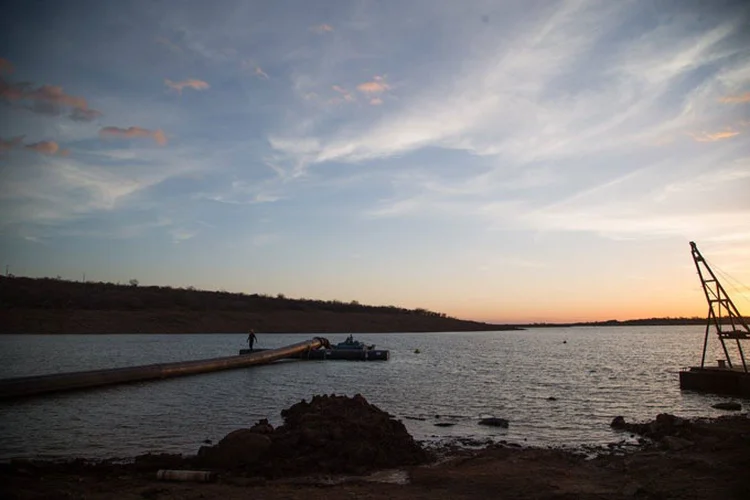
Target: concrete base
716 381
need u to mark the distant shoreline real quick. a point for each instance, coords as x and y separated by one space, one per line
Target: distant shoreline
52 305
174 321
41 321
630 322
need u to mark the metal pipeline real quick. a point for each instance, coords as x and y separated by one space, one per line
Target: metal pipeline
29 386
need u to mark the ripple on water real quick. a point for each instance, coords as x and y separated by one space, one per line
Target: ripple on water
598 374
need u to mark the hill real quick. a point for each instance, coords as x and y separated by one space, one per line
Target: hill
53 305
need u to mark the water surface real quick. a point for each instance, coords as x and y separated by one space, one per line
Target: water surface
598 373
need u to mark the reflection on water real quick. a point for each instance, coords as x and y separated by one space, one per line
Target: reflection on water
456 377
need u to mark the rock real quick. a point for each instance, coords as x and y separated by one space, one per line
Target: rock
729 405
338 434
262 427
675 443
494 422
618 422
238 449
552 398
444 424
328 435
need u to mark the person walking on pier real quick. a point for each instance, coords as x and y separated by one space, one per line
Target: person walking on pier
251 338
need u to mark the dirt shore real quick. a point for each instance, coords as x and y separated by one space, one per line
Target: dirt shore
676 458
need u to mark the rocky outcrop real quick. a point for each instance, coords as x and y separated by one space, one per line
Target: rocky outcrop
676 433
494 422
242 448
330 434
729 405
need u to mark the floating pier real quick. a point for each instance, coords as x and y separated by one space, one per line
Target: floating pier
58 382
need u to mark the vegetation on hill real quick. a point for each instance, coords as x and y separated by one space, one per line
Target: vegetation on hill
53 305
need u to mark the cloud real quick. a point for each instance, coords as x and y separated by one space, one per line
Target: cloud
715 136
550 90
8 144
134 132
376 101
47 99
180 234
260 73
49 148
345 95
84 115
735 99
169 44
5 66
53 94
376 86
190 83
321 29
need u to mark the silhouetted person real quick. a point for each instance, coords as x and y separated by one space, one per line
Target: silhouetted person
251 338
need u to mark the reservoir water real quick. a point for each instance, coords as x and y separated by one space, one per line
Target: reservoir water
556 386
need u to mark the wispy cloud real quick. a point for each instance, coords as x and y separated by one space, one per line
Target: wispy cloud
260 73
376 86
714 136
736 99
8 144
245 193
134 132
376 101
165 42
47 99
49 148
190 83
181 234
321 29
49 196
345 95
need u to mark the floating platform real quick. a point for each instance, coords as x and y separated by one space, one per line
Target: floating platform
337 354
716 380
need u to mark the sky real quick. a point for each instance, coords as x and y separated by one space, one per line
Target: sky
503 161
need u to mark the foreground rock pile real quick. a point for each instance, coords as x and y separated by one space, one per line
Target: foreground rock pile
676 433
330 434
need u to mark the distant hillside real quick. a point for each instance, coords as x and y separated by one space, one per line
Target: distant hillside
629 322
47 305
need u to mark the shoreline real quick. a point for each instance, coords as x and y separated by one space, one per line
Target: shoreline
699 458
344 447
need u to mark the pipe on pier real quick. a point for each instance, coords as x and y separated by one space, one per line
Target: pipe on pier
29 386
